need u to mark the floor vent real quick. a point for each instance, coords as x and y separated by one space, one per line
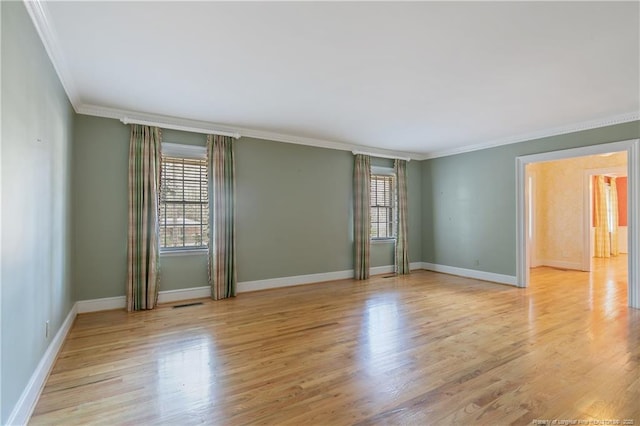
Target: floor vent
187 304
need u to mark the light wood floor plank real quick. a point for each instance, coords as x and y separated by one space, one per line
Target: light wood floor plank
424 349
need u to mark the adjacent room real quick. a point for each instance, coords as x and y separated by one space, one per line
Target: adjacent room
319 213
578 217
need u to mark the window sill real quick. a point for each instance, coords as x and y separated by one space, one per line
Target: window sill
383 240
185 252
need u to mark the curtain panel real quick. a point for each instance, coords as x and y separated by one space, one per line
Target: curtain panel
602 243
143 249
361 216
402 245
222 217
613 191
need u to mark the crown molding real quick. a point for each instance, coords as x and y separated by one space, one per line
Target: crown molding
37 10
556 131
174 122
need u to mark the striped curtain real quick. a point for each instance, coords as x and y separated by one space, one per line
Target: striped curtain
362 215
222 217
602 244
402 246
143 250
613 192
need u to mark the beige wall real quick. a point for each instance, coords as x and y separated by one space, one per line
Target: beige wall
559 208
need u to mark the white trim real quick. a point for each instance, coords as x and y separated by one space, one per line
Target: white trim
390 240
532 193
470 273
257 285
555 131
373 154
118 114
561 264
38 13
184 252
24 407
385 171
167 125
633 222
379 270
416 265
1 416
183 151
104 304
632 147
168 296
176 122
120 302
522 260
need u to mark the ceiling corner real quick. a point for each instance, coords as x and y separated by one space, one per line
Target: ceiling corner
37 10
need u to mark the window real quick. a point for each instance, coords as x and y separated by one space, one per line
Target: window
383 206
184 204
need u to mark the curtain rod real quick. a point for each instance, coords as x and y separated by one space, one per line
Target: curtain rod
127 120
373 154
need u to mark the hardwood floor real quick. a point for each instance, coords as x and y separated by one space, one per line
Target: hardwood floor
424 349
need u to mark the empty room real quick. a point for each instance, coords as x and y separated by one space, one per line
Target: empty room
324 213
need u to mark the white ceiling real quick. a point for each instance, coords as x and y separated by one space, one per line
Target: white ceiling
429 78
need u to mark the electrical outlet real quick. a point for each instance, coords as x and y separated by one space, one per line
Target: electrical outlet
46 329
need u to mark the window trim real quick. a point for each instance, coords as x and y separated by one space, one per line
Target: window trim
387 171
192 152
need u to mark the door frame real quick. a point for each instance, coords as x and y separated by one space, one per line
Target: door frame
632 148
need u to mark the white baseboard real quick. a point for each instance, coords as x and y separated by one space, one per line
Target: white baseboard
104 304
390 269
377 270
247 286
560 264
471 273
415 265
184 294
120 302
24 407
167 296
256 285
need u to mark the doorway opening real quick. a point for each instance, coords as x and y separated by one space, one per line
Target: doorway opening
526 252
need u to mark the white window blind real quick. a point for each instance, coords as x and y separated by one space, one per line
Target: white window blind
184 203
383 206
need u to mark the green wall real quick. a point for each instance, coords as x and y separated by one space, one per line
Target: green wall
37 124
294 214
293 209
469 203
100 170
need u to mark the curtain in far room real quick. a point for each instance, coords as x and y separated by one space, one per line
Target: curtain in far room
602 244
402 246
613 216
222 217
605 200
361 215
143 249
